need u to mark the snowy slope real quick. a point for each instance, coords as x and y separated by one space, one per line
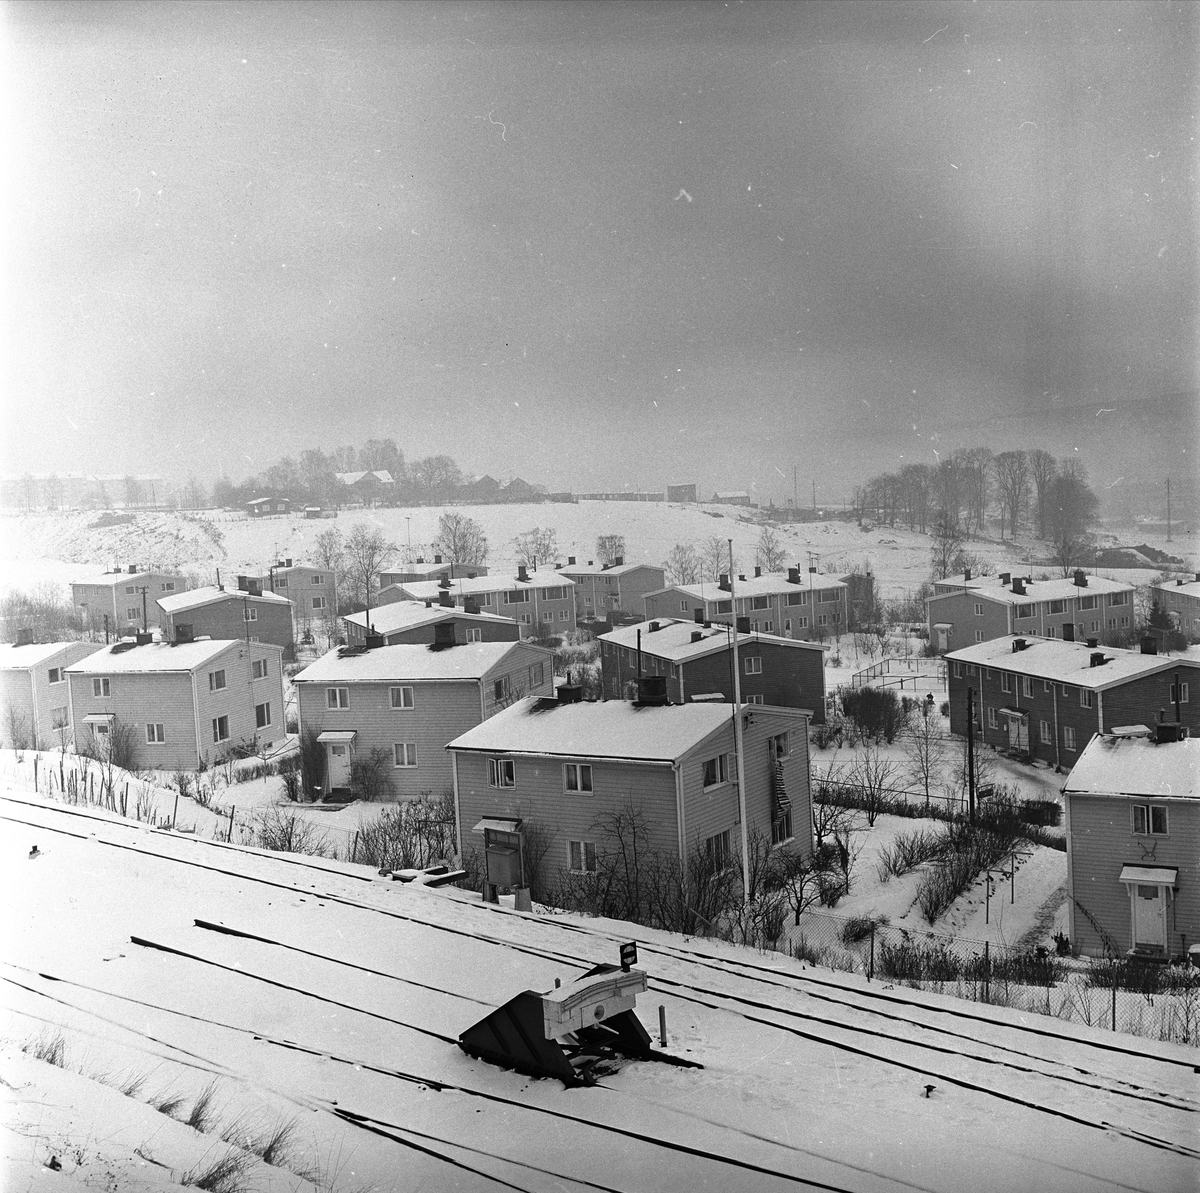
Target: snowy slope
344 1014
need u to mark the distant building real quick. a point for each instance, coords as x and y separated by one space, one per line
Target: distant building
312 590
371 488
211 612
696 660
1180 600
403 622
681 493
124 596
541 602
733 497
435 569
35 708
262 507
617 587
1132 806
964 610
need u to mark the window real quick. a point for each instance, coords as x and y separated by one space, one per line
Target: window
537 675
250 614
768 627
827 596
1044 734
58 717
1087 602
216 680
500 689
1112 623
315 580
255 638
100 728
1056 606
129 591
404 755
1027 687
1124 623
760 602
683 607
258 669
220 728
1095 627
957 670
787 625
978 635
1051 631
581 857
337 697
1005 682
517 596
564 615
474 634
822 619
796 598
502 772
56 675
756 698
781 829
401 697
1150 820
548 615
1046 685
281 582
132 612
169 586
753 665
577 776
100 686
527 619
715 770
777 746
724 606
156 734
1025 611
970 668
558 593
802 622
1179 691
262 715
1118 598
318 602
993 722
718 851
1068 738
1085 698
1066 691
978 608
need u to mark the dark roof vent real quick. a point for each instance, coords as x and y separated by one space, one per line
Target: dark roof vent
443 635
1167 731
1149 646
1018 586
723 582
470 605
757 572
437 559
742 577
966 573
1005 577
445 600
133 567
373 641
696 635
1080 578
141 638
1019 644
444 582
652 690
570 560
428 602
619 561
1097 659
812 569
287 563
569 693
242 585
1093 642
655 626
522 573
793 575
1180 583
742 625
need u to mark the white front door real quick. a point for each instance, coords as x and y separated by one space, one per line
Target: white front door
1018 733
941 639
339 766
1148 920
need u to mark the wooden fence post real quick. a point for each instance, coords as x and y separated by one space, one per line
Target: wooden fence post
175 811
231 812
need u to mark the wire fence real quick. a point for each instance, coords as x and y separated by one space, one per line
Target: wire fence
1156 1001
897 671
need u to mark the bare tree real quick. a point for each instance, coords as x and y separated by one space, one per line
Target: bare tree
874 777
461 539
715 559
1071 512
1012 483
536 545
947 544
683 565
366 554
610 548
770 553
924 748
1042 471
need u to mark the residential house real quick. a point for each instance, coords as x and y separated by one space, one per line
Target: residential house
613 587
483 490
541 602
435 569
1132 819
1180 600
792 604
1046 698
35 712
312 591
264 507
696 658
403 704
562 767
183 705
371 488
732 497
248 613
402 622
964 610
117 600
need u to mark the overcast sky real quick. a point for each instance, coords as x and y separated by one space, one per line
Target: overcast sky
596 245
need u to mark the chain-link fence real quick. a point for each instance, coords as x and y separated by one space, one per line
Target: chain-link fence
1160 1002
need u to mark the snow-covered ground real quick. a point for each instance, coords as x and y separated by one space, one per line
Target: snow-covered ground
339 1020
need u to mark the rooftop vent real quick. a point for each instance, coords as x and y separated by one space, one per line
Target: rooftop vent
570 561
428 602
1019 644
373 641
522 573
1097 659
655 626
757 572
1093 642
437 559
444 582
1005 577
470 605
133 569
1179 583
696 635
966 573
742 625
569 693
443 635
1018 586
1167 731
287 563
619 561
723 582
812 570
793 575
445 600
742 577
1149 646
1080 578
652 690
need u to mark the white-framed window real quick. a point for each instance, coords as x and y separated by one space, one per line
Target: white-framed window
262 715
59 718
716 770
768 627
822 619
1046 685
501 689
1026 611
1051 631
1005 681
1179 692
978 635
993 722
724 606
56 675
474 634
796 598
216 680
718 850
169 586
258 669
1095 627
760 602
753 665
1087 602
1055 607
337 697
319 602
557 593
280 582
581 857
527 619
683 607
401 697
577 777
516 596
1112 623
502 772
101 686
564 615
802 622
827 596
404 755
1045 735
756 698
130 590
132 612
255 638
1118 598
1068 737
779 746
318 579
156 733
1124 623
1149 820
250 613
978 608
220 728
970 668
537 675
1027 686
1085 697
100 728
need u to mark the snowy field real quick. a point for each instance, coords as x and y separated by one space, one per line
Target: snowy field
335 1026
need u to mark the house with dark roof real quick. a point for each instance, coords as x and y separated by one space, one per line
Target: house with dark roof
696 660
263 507
1132 815
560 769
396 707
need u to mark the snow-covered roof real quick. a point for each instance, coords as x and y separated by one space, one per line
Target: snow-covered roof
18 658
212 595
352 478
404 615
113 579
991 588
125 658
615 729
1066 662
410 661
467 586
1191 588
673 640
598 569
772 584
1137 766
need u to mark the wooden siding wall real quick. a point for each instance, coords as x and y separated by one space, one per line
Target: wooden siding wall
670 604
163 698
490 631
224 619
16 703
1185 604
1101 841
958 610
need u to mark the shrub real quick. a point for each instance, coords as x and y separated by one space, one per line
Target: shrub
876 711
49 1046
371 775
285 832
859 927
414 834
226 1175
312 764
908 851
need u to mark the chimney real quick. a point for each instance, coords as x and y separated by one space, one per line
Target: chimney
142 639
428 603
470 605
696 635
1097 659
793 575
742 625
1178 583
619 562
570 561
1018 586
1080 578
241 581
133 569
569 693
812 571
698 613
183 633
1068 631
443 635
445 600
444 582
287 563
1198 577
373 641
757 572
966 573
741 578
1167 731
1005 577
1149 646
254 586
522 573
655 627
437 559
1093 643
1019 644
24 636
652 690
723 582
590 563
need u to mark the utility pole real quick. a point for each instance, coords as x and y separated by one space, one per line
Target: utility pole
737 737
143 590
814 484
1168 509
